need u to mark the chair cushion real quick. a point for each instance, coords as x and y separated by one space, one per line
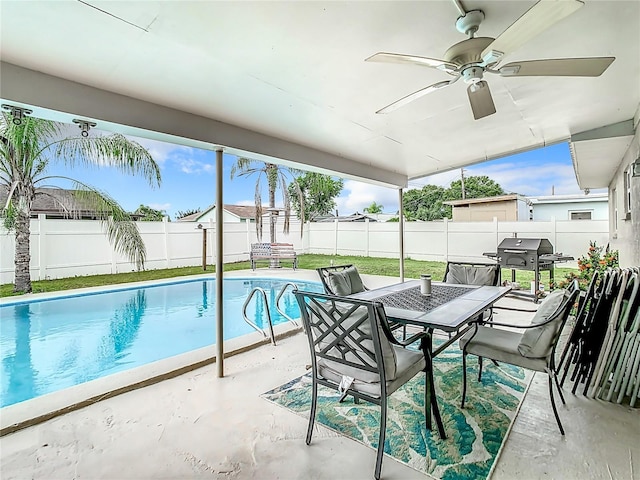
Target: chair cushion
500 345
409 364
345 282
471 275
536 342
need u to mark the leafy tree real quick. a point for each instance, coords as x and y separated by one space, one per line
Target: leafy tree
424 204
318 191
148 214
478 186
186 213
276 177
427 203
374 208
26 150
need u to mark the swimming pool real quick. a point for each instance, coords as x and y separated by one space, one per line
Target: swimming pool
49 345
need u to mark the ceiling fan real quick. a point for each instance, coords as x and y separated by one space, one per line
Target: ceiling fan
475 56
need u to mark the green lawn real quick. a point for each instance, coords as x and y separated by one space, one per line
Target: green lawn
367 265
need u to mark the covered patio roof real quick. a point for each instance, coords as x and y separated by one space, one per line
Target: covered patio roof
287 81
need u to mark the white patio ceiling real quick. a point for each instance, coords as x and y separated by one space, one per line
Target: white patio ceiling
294 72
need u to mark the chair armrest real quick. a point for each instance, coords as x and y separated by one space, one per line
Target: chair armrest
408 341
524 327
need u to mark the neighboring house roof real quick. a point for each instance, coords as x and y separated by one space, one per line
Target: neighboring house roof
579 198
499 198
189 218
50 201
240 211
355 217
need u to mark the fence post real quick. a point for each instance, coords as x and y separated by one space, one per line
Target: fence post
366 233
496 230
335 236
114 263
42 255
554 231
248 238
167 257
446 239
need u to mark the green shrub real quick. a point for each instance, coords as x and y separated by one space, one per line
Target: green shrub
594 261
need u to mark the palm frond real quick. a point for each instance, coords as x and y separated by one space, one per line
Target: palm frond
243 167
114 150
121 230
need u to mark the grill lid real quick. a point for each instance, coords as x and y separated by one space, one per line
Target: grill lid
539 245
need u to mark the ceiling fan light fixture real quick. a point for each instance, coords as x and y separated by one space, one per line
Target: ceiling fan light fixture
472 75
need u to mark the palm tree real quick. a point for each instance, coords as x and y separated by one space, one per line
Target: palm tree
27 148
276 177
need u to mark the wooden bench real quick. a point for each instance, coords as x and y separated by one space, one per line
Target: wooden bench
273 253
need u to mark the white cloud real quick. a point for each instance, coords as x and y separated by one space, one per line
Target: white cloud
356 196
163 151
160 206
190 166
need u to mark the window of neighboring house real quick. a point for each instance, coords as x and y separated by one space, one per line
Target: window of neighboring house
580 215
627 194
614 208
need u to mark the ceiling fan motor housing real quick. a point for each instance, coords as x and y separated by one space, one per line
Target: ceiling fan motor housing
468 51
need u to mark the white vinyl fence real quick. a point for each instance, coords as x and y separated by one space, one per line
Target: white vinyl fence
67 248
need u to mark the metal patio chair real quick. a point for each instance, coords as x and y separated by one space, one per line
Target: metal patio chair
474 273
534 349
341 280
353 351
344 280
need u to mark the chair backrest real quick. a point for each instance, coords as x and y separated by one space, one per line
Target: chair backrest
540 341
472 273
341 280
348 336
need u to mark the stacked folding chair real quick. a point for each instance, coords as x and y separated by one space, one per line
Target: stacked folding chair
617 374
586 339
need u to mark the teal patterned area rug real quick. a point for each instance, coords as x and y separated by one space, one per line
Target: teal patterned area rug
475 434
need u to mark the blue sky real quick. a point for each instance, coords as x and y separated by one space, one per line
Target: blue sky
188 180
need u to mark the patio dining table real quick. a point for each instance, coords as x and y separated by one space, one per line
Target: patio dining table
450 308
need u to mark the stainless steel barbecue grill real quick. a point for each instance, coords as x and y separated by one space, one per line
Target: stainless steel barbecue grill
533 254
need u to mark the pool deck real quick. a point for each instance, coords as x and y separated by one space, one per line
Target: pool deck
196 425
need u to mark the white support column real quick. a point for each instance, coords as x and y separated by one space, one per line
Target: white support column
401 235
219 268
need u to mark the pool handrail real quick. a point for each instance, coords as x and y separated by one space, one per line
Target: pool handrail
266 304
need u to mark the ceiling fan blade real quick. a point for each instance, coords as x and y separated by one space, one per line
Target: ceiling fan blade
536 20
560 67
415 95
480 98
412 59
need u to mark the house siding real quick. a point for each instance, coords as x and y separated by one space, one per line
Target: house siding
625 230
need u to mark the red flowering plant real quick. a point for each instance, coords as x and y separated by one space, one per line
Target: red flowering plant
597 259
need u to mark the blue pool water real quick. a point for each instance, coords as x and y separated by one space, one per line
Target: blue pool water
49 345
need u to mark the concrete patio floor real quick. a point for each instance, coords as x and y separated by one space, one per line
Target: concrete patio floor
199 426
